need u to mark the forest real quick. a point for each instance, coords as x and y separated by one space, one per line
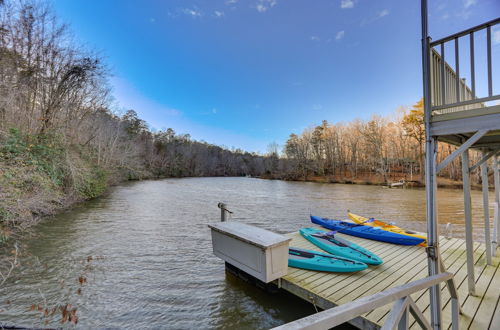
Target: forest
61 140
378 150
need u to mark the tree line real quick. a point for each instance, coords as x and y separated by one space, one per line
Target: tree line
52 88
61 140
378 150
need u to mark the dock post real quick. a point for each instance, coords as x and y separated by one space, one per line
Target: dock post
486 209
223 214
468 223
223 211
496 215
433 255
430 175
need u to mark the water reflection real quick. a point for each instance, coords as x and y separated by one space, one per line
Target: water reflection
152 264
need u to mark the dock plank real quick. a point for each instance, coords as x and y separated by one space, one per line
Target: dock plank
402 264
447 252
411 271
486 311
462 287
367 278
456 267
460 270
495 320
471 305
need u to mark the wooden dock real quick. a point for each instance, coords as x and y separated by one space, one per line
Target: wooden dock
403 264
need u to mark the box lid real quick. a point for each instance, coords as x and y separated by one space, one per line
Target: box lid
253 235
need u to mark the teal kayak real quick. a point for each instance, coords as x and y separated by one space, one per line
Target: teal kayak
312 260
338 246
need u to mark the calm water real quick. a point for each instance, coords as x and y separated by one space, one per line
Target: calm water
152 264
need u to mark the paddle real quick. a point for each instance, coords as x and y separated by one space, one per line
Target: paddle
369 220
309 255
329 236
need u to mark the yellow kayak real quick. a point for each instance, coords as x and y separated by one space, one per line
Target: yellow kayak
385 226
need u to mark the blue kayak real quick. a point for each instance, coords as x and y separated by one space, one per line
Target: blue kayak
338 246
312 260
368 232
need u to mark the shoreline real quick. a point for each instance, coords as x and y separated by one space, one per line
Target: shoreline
70 201
373 181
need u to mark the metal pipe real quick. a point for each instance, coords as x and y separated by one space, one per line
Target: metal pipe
472 66
430 176
490 77
469 245
484 159
496 216
457 71
467 102
443 86
486 208
449 230
223 214
464 147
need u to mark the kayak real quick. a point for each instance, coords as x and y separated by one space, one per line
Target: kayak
368 232
385 226
338 246
312 260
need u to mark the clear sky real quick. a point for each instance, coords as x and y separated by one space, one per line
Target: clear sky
244 73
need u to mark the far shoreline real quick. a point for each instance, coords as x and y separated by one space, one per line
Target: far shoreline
372 181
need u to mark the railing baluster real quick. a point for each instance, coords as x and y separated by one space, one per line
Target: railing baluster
448 88
443 85
455 94
435 94
472 68
435 82
490 78
457 70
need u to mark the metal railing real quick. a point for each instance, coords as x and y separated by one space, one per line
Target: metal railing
398 316
449 92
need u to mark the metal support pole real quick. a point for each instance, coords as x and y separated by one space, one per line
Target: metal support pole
465 145
223 212
403 323
486 209
430 176
468 223
433 254
496 215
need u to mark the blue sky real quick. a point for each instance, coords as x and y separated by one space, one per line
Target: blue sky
244 73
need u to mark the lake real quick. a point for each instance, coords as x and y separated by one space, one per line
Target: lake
141 256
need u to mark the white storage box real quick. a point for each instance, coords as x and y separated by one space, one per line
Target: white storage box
258 252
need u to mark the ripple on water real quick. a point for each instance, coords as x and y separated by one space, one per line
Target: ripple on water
156 268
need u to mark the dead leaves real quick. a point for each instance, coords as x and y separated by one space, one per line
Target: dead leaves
68 312
82 279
